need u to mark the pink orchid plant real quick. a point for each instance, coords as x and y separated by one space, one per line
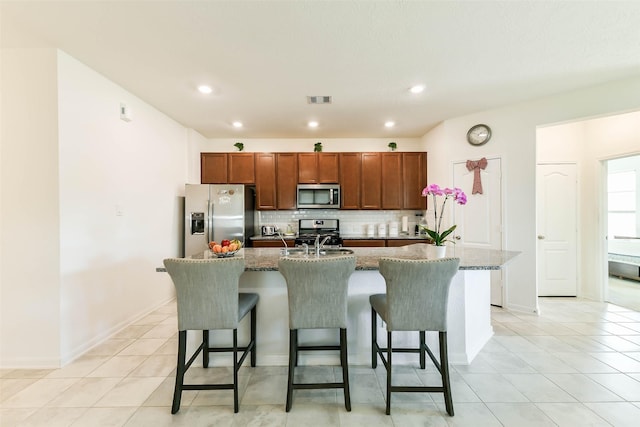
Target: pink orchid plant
434 190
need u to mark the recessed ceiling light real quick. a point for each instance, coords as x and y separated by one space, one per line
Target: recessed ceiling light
205 89
313 124
237 124
389 124
417 89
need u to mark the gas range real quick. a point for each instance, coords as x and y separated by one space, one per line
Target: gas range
310 229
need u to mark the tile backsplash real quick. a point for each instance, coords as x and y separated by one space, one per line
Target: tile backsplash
352 223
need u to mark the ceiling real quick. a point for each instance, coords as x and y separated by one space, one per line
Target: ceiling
263 58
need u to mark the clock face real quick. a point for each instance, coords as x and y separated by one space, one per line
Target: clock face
479 134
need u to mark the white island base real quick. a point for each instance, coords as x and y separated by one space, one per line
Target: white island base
469 321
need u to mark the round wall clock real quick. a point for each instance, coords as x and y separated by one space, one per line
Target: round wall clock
479 134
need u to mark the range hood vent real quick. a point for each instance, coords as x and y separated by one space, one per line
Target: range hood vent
319 100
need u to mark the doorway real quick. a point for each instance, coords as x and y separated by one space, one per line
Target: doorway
623 226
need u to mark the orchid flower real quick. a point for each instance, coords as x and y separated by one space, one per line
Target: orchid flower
434 190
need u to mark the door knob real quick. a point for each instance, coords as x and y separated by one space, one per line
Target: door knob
540 237
457 237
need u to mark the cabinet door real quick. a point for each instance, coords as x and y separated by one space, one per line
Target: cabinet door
287 180
394 243
371 182
241 168
414 179
328 170
392 181
363 243
271 243
350 164
265 181
213 168
307 168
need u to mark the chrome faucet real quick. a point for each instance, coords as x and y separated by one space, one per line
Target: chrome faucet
319 245
284 251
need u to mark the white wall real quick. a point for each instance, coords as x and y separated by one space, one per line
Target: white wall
120 184
73 270
29 214
514 139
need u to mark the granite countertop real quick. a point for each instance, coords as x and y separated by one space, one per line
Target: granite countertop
350 237
266 259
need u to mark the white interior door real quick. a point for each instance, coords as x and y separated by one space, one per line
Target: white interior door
479 222
556 202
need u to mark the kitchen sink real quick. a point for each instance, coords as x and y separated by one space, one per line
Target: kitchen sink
335 252
300 252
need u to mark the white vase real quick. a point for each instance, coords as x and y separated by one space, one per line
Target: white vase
437 251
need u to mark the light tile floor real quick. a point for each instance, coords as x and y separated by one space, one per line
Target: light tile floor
576 364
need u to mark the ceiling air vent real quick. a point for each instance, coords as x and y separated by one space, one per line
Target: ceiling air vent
319 99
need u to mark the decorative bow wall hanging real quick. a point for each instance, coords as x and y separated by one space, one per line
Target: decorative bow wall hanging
476 166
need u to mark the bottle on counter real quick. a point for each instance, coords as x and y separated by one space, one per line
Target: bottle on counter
289 231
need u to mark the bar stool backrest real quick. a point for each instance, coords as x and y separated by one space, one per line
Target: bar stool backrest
206 291
417 293
317 289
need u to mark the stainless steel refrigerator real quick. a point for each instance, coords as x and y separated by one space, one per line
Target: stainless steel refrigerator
217 212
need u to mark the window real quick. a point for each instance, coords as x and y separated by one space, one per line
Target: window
622 204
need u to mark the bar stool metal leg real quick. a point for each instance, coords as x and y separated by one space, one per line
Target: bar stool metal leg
374 339
423 352
388 366
180 369
345 368
254 315
235 371
444 370
293 356
205 349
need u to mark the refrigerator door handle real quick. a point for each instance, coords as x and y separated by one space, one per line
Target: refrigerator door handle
209 224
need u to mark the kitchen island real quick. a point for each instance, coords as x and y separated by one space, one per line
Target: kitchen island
469 320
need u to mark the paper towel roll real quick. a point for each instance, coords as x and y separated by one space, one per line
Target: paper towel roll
405 224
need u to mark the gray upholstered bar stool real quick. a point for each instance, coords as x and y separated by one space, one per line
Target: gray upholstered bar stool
208 299
317 289
416 300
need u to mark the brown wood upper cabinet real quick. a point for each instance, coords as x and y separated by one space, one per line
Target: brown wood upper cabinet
383 180
213 168
227 168
392 188
266 181
241 168
286 180
318 168
414 179
371 181
350 171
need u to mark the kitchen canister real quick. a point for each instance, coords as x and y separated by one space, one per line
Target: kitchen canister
393 229
382 230
405 224
371 230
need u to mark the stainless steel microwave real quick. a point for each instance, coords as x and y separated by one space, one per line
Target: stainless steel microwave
318 196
